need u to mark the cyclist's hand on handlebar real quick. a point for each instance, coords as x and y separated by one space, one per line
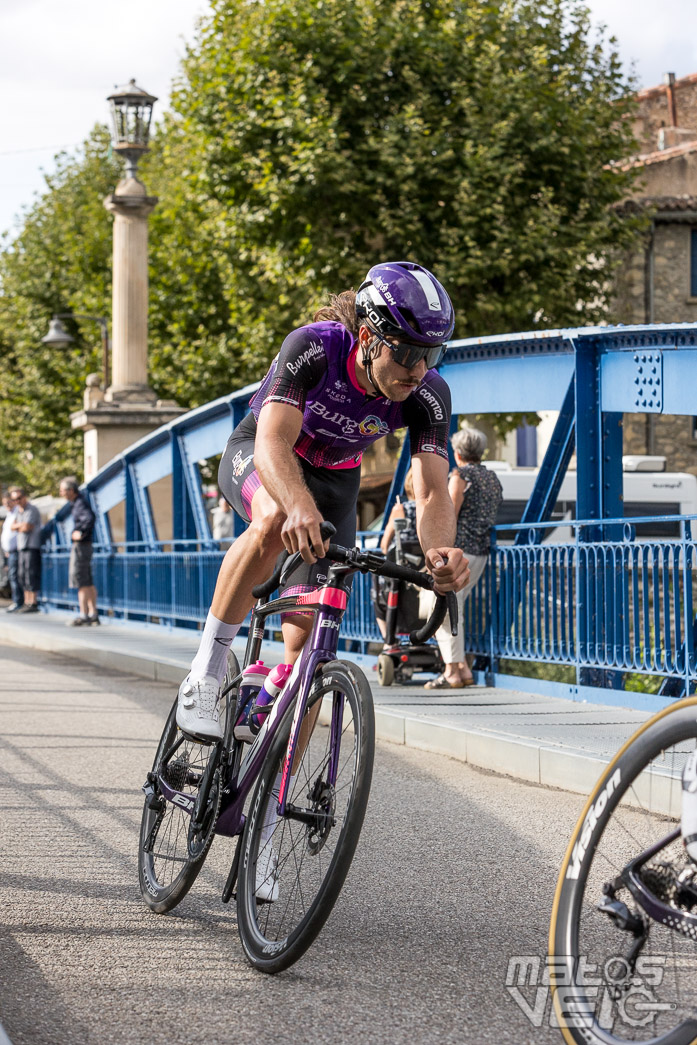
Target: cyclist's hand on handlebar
300 531
449 567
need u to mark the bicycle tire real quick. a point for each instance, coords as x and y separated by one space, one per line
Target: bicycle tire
600 996
162 886
273 935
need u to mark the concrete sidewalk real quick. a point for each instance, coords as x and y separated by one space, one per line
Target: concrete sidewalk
545 740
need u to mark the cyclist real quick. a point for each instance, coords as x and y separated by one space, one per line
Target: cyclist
363 368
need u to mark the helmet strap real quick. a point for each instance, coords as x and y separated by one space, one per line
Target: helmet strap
368 357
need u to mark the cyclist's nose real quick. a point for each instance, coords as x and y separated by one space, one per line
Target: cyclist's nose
419 370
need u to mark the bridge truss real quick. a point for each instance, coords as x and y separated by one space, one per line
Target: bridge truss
603 609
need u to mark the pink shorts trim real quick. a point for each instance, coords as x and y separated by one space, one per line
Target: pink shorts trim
249 488
304 591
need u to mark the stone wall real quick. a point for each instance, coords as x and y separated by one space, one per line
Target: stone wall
672 173
669 436
672 302
667 177
654 111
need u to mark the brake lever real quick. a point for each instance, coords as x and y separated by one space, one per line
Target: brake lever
451 602
289 566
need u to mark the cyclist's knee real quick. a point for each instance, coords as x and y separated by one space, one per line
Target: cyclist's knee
266 526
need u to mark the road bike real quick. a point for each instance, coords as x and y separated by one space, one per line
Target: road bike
295 798
623 934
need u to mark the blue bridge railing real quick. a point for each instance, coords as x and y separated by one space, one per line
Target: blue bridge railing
602 603
175 587
583 617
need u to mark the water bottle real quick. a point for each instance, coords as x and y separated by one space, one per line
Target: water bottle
689 806
253 678
273 684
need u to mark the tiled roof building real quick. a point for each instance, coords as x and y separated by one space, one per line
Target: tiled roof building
658 284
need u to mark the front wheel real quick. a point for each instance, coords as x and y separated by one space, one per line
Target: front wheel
173 843
623 935
293 868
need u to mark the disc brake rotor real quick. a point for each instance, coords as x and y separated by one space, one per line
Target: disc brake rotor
324 803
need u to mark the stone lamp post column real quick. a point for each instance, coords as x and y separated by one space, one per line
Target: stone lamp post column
128 409
130 206
131 108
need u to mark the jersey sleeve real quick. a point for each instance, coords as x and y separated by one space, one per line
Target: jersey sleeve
427 414
300 366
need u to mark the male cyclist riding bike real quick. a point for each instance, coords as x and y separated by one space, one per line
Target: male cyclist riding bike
362 369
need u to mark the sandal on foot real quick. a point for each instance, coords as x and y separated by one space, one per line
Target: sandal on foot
441 683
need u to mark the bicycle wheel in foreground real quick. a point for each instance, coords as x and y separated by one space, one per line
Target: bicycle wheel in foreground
619 975
170 852
302 861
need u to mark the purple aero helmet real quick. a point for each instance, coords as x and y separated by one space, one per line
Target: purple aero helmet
404 300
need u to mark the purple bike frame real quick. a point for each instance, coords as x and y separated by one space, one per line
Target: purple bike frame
328 604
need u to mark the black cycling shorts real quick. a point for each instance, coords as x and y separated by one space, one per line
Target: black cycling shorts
335 491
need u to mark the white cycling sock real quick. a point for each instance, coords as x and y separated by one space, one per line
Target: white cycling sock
211 658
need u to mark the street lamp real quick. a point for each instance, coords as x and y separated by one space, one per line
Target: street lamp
59 337
131 112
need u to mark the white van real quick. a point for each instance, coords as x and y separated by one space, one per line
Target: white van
648 490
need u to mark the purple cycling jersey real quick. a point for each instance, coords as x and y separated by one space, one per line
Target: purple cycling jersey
315 371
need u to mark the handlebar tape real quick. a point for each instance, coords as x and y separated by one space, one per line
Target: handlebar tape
444 604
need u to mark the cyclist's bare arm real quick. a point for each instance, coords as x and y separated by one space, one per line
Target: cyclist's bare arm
436 522
278 428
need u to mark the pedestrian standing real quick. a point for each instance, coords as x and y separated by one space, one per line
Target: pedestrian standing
8 540
476 495
27 526
80 567
222 522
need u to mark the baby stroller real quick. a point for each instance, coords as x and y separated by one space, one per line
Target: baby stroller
399 602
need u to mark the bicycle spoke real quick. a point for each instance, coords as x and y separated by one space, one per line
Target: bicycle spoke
306 851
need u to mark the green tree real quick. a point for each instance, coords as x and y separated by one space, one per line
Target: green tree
59 262
307 140
480 139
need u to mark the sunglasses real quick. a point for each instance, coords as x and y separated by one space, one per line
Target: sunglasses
408 355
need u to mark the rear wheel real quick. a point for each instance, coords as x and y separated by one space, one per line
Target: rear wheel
300 861
175 836
623 937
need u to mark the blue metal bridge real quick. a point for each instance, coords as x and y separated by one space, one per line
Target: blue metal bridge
605 609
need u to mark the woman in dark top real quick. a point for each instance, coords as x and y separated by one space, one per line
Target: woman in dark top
476 493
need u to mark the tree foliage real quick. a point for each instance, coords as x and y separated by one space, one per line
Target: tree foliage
310 138
59 262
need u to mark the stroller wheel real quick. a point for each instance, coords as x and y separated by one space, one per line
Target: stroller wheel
385 670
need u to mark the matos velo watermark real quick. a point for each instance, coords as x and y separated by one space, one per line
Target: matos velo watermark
610 993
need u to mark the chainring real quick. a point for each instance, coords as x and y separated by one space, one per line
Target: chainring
203 821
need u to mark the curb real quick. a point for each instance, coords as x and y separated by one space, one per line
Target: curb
517 757
506 756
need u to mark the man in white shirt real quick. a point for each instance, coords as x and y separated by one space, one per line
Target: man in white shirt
222 522
8 541
27 525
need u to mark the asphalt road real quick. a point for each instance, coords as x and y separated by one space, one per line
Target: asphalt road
453 878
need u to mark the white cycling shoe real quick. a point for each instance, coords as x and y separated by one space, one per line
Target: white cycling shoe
197 708
266 876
